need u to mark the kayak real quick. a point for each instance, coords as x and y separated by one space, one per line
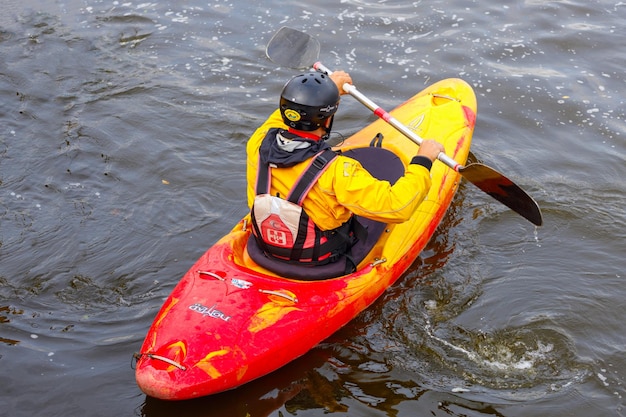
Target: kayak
233 318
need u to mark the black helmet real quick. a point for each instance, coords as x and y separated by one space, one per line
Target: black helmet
308 100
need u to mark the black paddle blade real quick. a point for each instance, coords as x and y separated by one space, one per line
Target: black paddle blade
504 190
293 49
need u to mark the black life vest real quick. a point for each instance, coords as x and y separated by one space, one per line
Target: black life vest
283 229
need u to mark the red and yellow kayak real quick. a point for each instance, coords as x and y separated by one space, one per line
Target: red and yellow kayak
230 321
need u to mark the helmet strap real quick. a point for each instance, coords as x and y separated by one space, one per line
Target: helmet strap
328 128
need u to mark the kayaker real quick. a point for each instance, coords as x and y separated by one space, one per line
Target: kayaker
284 147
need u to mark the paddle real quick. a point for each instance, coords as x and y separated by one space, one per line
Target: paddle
295 49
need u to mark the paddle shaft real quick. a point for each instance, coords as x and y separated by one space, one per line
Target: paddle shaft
485 178
381 113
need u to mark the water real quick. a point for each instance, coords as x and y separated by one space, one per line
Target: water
122 133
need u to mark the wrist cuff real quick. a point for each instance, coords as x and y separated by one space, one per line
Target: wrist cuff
423 161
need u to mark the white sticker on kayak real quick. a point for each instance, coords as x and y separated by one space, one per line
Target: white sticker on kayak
240 283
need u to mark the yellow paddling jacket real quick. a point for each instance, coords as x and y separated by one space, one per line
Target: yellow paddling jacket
344 188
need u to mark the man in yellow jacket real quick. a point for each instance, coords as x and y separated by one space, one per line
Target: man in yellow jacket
296 132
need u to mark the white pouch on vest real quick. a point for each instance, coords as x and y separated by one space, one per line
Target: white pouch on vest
280 221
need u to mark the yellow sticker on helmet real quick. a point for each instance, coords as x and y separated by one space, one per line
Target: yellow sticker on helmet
292 115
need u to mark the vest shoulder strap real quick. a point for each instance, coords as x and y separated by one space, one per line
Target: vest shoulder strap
263 178
309 177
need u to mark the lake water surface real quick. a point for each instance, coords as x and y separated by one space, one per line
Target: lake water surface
122 137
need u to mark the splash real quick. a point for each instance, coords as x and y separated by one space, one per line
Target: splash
536 357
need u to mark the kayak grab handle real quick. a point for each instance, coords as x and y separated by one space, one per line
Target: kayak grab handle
379 261
211 274
152 356
291 298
